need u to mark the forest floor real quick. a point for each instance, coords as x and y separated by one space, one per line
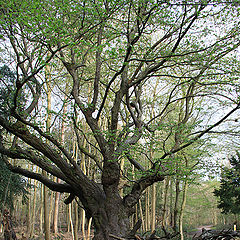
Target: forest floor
60 236
68 235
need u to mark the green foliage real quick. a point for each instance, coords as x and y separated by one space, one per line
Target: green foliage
6 89
11 186
229 191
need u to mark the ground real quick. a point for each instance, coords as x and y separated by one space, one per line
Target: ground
199 230
60 236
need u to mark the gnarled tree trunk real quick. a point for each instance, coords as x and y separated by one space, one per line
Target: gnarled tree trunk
111 220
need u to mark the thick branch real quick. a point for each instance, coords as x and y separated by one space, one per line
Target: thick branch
124 147
92 123
58 187
18 153
134 162
21 131
151 176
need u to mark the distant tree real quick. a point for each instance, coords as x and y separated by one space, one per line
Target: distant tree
229 191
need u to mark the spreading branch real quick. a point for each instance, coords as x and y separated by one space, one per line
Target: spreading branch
58 187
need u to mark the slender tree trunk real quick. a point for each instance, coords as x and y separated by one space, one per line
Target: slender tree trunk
175 213
29 206
83 224
153 195
165 194
41 210
153 210
215 220
46 211
52 197
45 190
83 167
76 221
89 229
70 220
146 211
34 209
148 216
171 202
185 187
57 194
122 167
141 215
56 210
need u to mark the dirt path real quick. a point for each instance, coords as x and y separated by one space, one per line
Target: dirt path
199 230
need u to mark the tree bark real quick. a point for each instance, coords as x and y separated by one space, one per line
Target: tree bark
147 210
141 215
41 211
113 220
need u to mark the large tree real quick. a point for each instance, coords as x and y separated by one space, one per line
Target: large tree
119 59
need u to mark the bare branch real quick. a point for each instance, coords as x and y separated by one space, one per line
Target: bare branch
83 150
202 133
153 68
98 70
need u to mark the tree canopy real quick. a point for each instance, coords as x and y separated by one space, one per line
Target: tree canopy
140 81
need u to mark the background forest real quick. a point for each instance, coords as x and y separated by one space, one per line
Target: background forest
118 116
